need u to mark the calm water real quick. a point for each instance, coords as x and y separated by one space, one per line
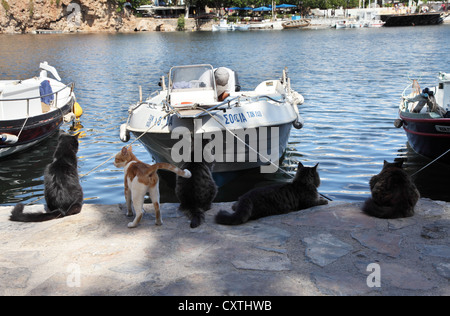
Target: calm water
351 81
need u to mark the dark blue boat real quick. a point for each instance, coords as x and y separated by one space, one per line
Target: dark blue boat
425 117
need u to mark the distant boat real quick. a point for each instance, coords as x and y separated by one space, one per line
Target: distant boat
225 26
432 18
342 24
242 27
296 24
356 24
427 128
33 109
375 23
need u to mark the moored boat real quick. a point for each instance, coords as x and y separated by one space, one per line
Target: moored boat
245 130
31 110
425 117
342 24
223 26
294 24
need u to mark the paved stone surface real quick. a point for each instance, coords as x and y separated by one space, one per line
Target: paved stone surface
328 250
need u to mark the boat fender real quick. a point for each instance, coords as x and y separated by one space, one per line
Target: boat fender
77 110
69 117
9 138
298 124
398 123
124 133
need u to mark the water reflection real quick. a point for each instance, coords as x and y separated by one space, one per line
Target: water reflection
22 174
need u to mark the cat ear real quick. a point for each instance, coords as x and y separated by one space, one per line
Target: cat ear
300 165
385 163
399 163
315 167
124 151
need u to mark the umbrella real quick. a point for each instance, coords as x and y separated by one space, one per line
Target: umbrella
247 8
286 6
234 9
262 9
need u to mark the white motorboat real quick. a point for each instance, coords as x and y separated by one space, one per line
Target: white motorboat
246 130
31 110
356 24
342 24
223 26
375 23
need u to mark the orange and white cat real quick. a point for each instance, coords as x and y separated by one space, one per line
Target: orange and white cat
139 179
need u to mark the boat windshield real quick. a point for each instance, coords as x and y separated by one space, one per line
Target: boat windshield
192 77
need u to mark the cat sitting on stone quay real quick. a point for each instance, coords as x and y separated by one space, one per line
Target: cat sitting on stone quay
394 194
277 199
62 189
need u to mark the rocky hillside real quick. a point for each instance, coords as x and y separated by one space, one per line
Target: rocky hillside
24 16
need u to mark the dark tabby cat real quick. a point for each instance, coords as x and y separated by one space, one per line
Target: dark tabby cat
63 192
394 195
276 199
197 193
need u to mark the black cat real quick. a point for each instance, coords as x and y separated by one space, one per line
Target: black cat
196 193
300 194
394 194
63 192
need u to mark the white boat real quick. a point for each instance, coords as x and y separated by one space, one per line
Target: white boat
33 109
356 24
267 25
342 24
241 27
375 23
223 26
246 127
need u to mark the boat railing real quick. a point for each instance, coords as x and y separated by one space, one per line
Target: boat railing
72 85
207 108
405 95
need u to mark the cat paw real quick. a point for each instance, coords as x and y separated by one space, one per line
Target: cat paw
132 225
158 222
195 222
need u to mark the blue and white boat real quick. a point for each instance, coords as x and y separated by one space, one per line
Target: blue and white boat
244 126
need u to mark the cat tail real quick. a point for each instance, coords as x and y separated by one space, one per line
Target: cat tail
17 215
373 209
167 166
241 215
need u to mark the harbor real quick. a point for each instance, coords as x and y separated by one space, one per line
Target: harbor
350 87
327 250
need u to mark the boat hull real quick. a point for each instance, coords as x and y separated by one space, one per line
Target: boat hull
428 137
37 129
412 19
270 141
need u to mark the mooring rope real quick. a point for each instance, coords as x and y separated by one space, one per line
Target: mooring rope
423 168
254 150
112 156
